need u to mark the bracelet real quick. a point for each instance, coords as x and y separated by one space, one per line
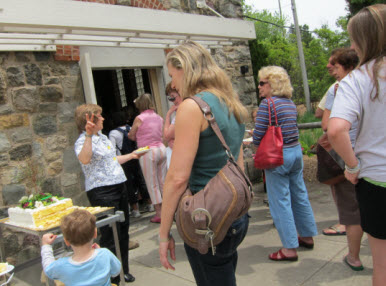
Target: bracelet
353 170
89 136
165 239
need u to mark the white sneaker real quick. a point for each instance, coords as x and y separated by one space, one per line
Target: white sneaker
149 208
135 214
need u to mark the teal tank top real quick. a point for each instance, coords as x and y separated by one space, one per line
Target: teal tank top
211 156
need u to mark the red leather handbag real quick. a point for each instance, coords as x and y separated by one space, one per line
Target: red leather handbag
269 154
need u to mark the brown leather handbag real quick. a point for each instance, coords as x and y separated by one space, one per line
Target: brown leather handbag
204 218
330 169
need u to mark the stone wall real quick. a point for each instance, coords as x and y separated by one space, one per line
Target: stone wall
38 97
37 129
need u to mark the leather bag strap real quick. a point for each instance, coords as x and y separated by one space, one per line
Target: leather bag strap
269 101
201 222
212 121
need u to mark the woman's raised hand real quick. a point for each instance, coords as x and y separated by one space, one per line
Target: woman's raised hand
90 125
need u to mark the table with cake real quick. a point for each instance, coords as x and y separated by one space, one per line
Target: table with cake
41 213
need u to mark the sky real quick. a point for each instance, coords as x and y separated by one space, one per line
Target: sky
314 13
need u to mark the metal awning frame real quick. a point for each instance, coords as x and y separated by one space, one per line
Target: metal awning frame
63 22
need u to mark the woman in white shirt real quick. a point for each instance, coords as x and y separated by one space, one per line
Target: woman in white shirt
362 97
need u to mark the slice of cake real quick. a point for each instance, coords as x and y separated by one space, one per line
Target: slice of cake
3 267
39 211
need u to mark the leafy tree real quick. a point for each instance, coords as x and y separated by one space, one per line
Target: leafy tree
355 5
305 34
276 45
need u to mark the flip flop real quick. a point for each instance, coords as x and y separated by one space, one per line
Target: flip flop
337 231
355 268
279 256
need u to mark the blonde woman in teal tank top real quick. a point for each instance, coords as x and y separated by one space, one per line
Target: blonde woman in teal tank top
198 155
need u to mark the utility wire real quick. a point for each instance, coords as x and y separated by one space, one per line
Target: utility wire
277 25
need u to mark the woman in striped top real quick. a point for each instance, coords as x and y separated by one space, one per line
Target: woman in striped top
287 194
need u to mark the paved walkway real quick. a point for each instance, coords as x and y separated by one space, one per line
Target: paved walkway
318 267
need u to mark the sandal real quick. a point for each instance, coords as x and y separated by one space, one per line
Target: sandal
304 244
336 231
280 256
155 219
355 268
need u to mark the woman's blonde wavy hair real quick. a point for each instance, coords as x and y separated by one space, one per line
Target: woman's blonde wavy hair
367 30
201 73
278 79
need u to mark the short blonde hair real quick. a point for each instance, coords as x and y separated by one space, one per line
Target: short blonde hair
144 102
278 79
80 114
78 227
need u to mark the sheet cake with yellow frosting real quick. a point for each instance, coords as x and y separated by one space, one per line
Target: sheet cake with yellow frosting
44 211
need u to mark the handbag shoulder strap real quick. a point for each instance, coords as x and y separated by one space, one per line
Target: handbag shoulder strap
212 121
269 101
209 116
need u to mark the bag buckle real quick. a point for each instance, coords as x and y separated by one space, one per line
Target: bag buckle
208 233
201 211
229 154
208 114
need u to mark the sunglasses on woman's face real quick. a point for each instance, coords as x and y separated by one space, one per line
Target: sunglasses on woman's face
172 99
262 83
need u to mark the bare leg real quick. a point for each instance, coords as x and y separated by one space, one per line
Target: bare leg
307 239
289 252
134 207
378 251
339 227
158 208
354 237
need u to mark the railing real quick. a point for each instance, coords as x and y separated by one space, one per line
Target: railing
310 125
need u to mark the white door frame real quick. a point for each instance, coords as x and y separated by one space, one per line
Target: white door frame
111 58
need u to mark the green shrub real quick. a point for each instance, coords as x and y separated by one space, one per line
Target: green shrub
308 137
308 117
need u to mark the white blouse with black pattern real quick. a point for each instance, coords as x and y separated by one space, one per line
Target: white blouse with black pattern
103 169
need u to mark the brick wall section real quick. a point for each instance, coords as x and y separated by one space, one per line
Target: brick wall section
67 53
151 4
71 53
113 2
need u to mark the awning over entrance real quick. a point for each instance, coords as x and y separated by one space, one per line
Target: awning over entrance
40 25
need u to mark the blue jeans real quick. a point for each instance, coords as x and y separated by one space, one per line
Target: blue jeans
219 269
288 199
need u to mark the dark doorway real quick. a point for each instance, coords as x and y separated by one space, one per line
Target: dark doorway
116 90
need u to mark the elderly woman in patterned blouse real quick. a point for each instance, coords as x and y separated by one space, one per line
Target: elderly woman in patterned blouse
104 176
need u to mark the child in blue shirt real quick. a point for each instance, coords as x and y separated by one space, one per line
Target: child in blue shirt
90 264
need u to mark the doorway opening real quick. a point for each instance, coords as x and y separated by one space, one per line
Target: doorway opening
115 91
